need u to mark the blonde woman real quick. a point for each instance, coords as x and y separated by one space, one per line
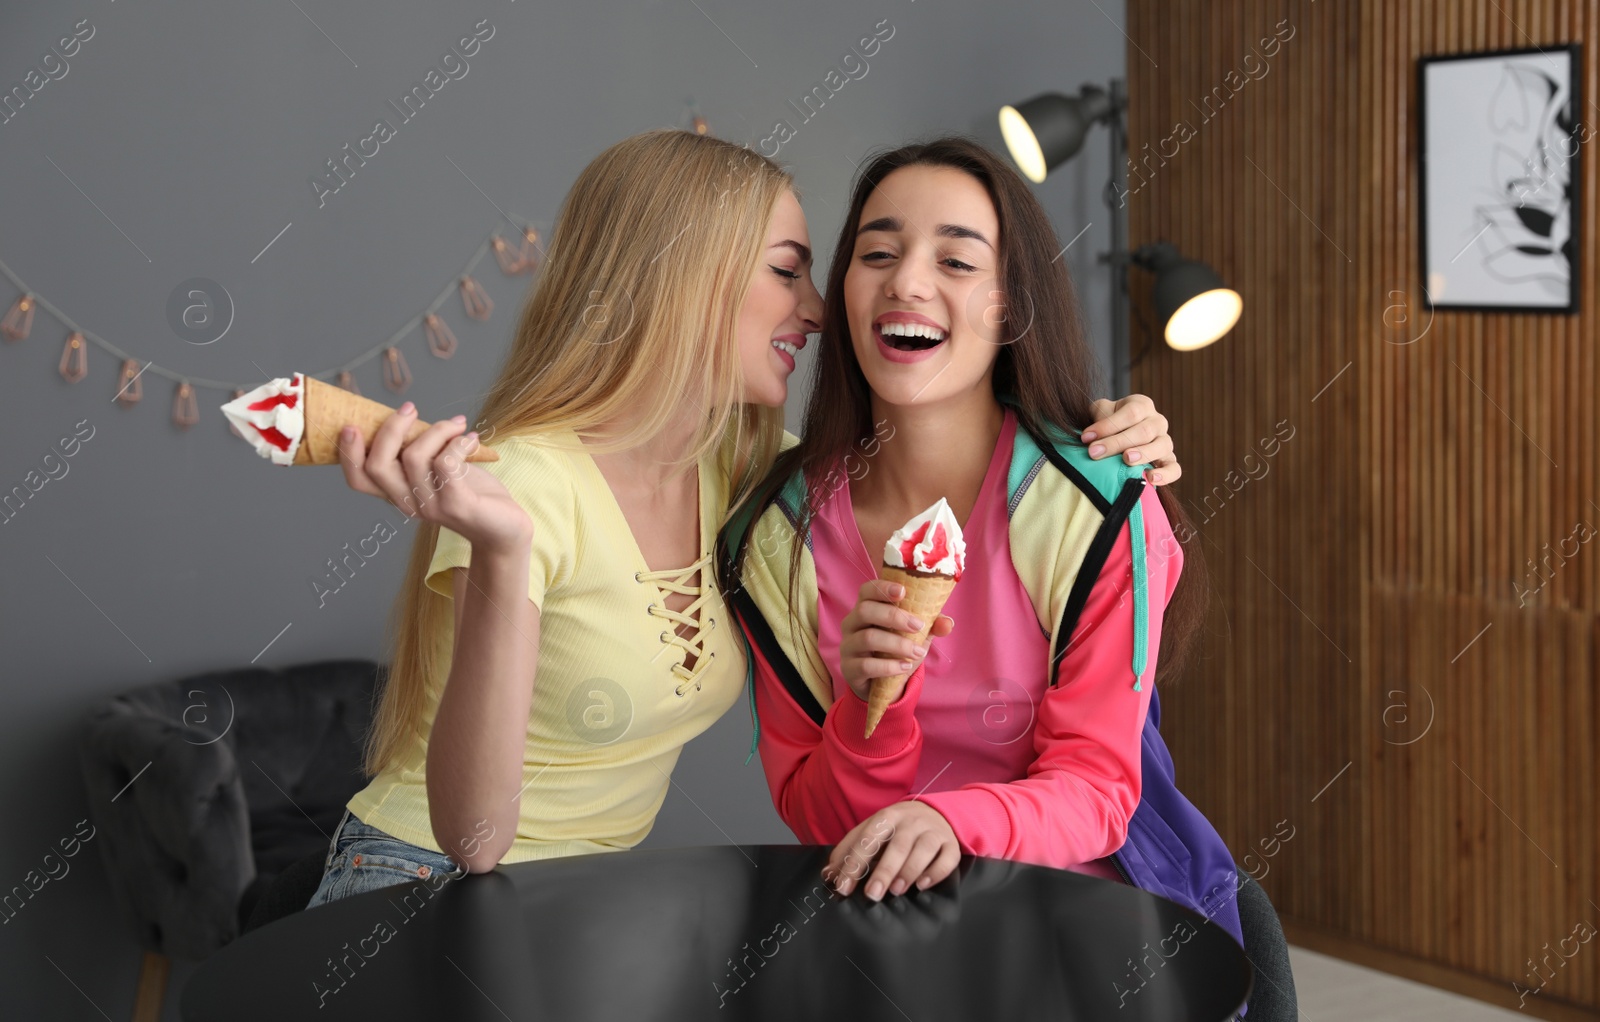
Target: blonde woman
558 636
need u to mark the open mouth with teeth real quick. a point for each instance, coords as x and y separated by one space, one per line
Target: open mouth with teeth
911 336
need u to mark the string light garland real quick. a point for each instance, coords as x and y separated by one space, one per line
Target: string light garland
513 258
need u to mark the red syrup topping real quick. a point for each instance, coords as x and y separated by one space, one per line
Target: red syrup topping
273 437
938 550
267 403
908 546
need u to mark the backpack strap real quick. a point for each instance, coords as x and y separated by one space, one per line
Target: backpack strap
1115 489
731 543
730 553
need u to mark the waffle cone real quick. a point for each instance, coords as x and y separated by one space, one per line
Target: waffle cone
925 597
328 409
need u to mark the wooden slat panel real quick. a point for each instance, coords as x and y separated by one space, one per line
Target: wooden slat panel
1376 561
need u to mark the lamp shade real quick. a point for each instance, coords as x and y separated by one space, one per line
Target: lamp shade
1194 305
1048 129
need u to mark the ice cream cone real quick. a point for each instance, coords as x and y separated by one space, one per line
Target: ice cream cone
329 409
925 597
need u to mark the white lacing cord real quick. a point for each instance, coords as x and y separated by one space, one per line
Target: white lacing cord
674 580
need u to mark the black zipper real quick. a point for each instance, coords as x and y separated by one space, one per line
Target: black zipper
1121 870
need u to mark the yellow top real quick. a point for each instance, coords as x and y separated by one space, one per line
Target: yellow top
612 701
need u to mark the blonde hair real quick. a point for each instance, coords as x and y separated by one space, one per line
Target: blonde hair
634 315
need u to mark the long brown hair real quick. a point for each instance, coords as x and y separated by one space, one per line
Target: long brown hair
634 314
1044 367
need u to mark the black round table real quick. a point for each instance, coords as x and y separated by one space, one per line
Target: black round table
729 932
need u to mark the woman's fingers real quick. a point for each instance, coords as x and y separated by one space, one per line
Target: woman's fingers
865 668
1149 452
390 435
1163 473
923 851
352 461
874 653
876 636
879 590
1131 438
878 640
1157 459
1134 421
943 865
419 454
415 476
850 858
383 466
887 615
418 458
1109 418
889 862
906 845
404 470
452 460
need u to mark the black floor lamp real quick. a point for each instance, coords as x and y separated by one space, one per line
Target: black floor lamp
1192 303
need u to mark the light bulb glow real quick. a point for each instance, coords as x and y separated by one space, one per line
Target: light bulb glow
1204 318
1022 143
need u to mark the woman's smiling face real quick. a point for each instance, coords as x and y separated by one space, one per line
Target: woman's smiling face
783 306
921 283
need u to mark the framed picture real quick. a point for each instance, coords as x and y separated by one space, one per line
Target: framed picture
1500 138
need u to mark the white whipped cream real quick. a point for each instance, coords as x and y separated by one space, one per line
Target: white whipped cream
272 417
930 542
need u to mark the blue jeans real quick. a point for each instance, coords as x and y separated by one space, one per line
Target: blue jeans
362 858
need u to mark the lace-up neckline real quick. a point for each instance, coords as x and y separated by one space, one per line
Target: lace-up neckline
669 582
676 580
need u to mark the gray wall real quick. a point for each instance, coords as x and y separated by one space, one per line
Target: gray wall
182 140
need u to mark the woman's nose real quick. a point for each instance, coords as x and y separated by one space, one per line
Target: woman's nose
907 282
810 307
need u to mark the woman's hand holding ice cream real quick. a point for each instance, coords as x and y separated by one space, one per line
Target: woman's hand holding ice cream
922 562
420 469
295 420
429 478
875 639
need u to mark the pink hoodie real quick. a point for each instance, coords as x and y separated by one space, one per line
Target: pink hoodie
1020 771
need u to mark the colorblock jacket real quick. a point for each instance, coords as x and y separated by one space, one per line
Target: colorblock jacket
1066 513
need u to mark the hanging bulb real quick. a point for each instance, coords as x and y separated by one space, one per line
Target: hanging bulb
18 320
441 341
532 253
74 358
131 388
185 412
396 374
474 300
510 259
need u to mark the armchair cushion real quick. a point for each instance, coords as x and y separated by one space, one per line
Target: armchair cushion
234 776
